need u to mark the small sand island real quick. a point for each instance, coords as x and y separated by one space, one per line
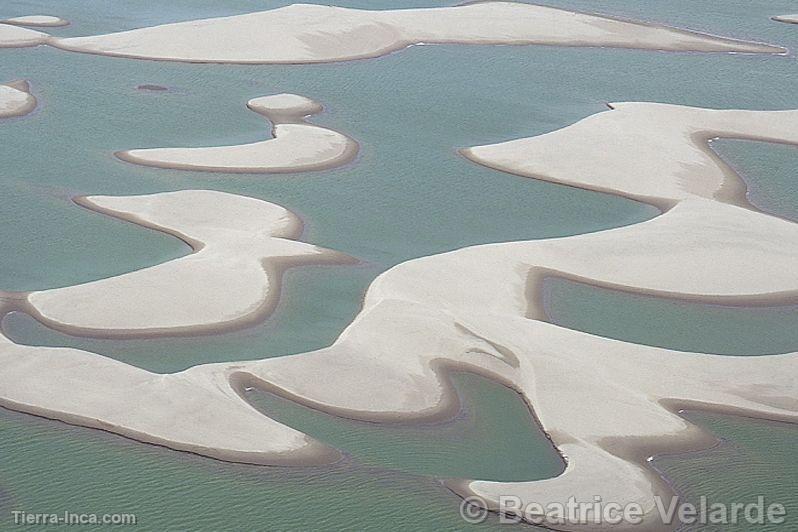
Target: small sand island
36 21
241 247
789 19
16 99
296 147
309 33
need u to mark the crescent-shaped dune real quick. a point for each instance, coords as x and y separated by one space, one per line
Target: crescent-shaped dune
296 147
607 405
241 246
309 33
16 99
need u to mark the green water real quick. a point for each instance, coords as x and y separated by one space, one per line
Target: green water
669 323
493 438
407 195
770 171
753 458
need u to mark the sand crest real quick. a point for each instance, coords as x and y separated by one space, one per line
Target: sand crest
296 147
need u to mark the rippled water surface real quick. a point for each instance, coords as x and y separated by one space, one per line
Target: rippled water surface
407 195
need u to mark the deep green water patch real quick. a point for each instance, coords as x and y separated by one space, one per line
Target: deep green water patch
671 323
494 437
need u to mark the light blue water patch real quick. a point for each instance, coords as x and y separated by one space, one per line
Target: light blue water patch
671 323
770 171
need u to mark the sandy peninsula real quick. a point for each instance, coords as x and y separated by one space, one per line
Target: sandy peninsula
231 280
36 21
16 99
310 33
618 151
296 146
789 19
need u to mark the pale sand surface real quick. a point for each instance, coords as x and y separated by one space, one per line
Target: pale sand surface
14 36
619 151
308 33
241 245
297 146
16 99
789 19
36 21
605 404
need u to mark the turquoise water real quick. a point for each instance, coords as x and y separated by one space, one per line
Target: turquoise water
770 170
671 323
753 458
407 195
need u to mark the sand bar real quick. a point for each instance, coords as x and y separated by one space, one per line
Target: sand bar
618 151
36 21
309 33
241 246
296 147
16 99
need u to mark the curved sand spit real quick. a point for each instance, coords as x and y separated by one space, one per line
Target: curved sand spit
36 21
309 33
16 99
297 146
789 19
606 404
15 37
241 246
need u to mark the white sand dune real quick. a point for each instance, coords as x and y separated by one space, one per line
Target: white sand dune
296 147
620 152
309 33
36 21
15 37
16 99
605 404
789 19
241 246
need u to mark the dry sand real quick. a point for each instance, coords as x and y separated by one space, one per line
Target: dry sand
296 147
309 33
241 246
36 21
16 99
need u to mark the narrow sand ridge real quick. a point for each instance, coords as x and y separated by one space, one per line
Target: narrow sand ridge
789 19
16 99
296 147
36 21
241 246
16 37
309 33
619 151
